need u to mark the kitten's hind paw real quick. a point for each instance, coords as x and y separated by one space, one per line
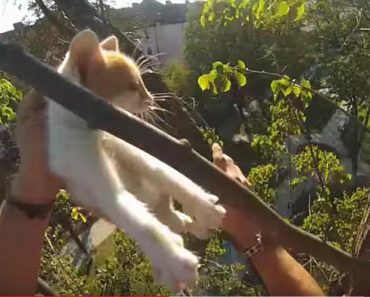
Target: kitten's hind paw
177 271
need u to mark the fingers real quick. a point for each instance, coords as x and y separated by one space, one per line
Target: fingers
225 163
32 104
31 116
218 157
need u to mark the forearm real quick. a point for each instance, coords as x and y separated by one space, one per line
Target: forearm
21 240
283 275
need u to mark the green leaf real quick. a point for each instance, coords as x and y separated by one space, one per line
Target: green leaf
283 8
203 20
74 213
240 78
300 12
275 88
285 81
227 86
306 84
203 82
241 65
288 91
83 218
211 17
218 66
297 91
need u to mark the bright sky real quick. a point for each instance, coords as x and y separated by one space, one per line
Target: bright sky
12 12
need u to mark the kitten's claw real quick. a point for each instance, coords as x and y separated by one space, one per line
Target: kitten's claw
207 215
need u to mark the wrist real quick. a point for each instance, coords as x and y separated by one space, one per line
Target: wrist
261 250
32 189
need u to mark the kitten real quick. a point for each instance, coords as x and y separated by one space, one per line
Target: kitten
130 187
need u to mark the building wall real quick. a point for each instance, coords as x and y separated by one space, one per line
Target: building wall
164 39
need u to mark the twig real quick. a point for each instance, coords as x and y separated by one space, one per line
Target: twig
359 17
65 274
99 114
44 288
294 83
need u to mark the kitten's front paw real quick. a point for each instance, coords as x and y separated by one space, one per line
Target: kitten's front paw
207 215
178 268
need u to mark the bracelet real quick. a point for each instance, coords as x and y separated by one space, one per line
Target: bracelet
256 248
32 211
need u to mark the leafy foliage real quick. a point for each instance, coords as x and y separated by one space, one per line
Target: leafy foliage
9 96
177 77
210 135
287 116
64 208
337 219
261 177
219 78
221 279
261 13
313 161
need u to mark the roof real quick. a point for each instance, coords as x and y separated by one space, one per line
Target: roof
152 11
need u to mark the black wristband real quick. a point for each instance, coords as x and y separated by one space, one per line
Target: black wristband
33 211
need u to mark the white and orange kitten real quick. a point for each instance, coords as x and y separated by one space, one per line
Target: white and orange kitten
130 187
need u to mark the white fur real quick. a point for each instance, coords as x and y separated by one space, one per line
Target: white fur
107 174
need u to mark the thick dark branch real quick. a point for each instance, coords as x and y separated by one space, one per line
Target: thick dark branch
64 29
178 154
83 15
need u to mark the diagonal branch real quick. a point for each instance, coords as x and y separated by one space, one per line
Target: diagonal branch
178 154
63 28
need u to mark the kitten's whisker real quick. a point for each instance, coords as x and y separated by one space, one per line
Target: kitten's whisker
158 118
154 108
165 93
160 99
162 95
153 63
147 59
136 47
148 71
140 58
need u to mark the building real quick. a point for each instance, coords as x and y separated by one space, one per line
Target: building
159 28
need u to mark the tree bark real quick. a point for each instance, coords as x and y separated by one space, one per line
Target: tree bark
101 115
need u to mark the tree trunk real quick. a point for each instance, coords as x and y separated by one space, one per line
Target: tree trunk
68 226
356 145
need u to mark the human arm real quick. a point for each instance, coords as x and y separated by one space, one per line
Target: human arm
21 237
280 272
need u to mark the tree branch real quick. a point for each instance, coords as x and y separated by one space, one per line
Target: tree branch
293 82
54 20
100 114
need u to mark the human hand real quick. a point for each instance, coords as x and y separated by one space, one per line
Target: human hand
236 222
34 182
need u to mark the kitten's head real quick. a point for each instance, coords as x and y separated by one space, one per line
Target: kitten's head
109 73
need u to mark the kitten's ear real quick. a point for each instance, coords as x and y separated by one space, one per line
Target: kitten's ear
110 44
84 46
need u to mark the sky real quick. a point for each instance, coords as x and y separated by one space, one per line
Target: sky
11 12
